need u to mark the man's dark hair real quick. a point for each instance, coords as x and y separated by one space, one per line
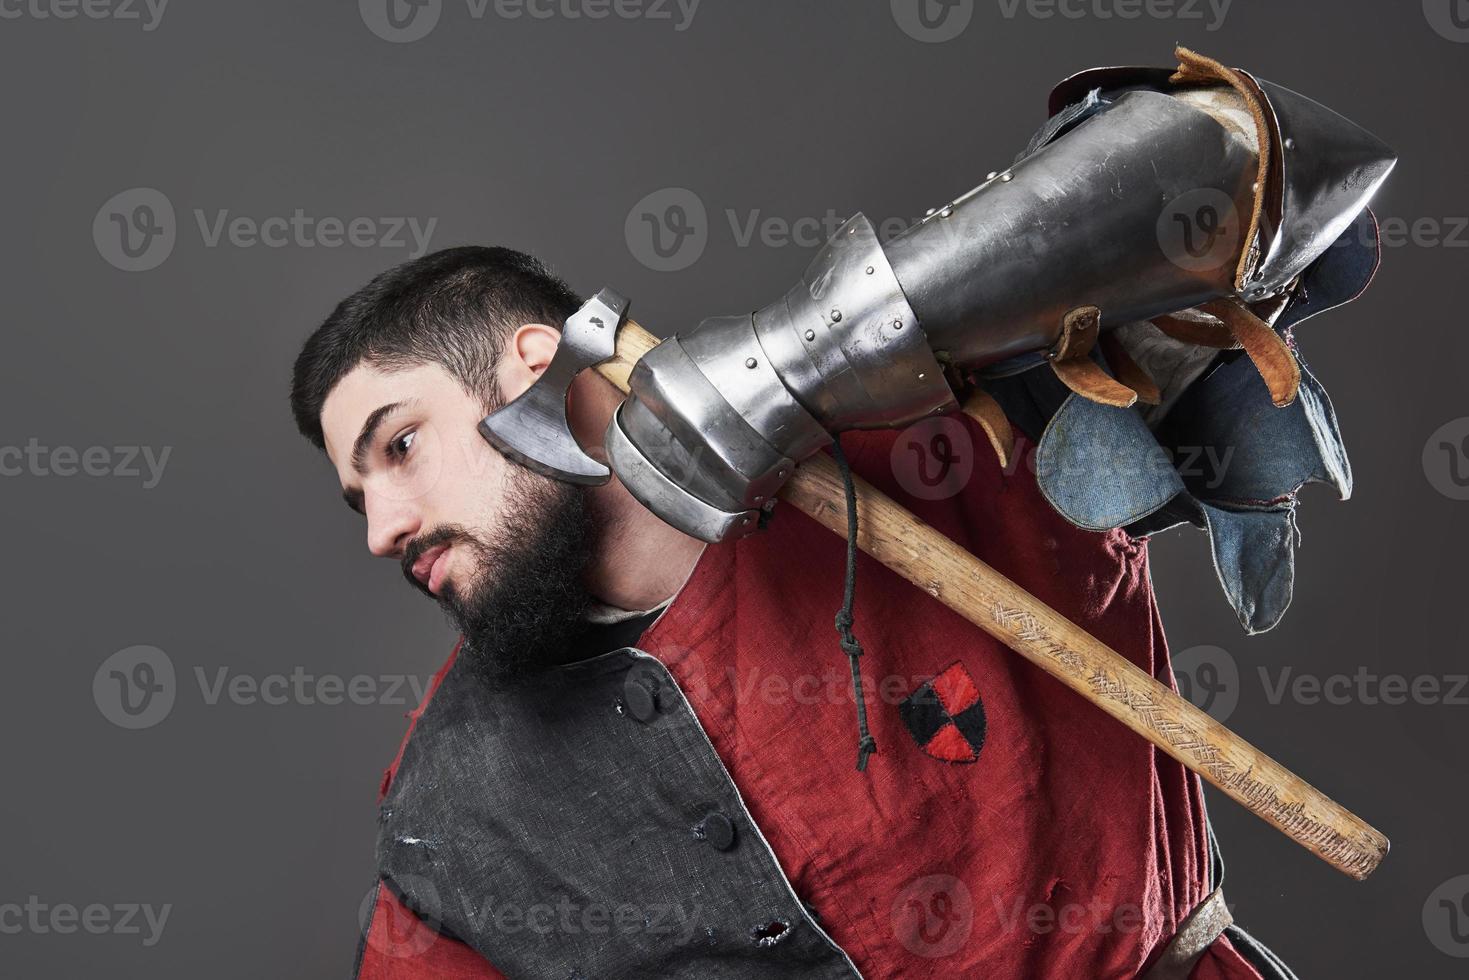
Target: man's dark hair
455 308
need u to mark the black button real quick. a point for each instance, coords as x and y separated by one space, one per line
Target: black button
640 694
718 831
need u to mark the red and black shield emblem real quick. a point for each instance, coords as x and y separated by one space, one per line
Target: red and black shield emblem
946 716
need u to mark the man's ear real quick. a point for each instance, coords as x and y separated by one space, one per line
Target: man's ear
527 354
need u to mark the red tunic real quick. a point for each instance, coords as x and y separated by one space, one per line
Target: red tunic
1067 847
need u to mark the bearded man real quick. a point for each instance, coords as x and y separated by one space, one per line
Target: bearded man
638 760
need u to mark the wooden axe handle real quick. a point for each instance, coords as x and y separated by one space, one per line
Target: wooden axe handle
979 593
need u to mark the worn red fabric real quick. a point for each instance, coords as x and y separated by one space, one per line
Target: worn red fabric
1070 848
399 946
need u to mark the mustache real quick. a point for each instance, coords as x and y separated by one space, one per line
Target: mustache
441 535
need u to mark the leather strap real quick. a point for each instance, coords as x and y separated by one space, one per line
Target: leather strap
1197 933
1196 69
1272 356
984 409
1071 360
1240 327
1128 371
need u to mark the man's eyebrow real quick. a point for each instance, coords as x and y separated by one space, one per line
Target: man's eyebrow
369 429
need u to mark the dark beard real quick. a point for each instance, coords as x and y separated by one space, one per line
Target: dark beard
527 597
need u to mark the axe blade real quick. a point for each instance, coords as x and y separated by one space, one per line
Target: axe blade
533 430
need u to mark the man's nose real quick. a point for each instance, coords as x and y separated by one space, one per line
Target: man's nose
391 524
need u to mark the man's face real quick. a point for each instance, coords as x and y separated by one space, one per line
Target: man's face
501 548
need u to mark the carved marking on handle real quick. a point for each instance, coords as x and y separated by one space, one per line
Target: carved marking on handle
1359 854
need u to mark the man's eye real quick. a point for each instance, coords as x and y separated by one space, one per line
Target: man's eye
399 445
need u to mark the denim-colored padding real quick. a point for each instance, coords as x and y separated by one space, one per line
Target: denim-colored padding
1340 275
1255 558
1234 446
1101 467
1224 458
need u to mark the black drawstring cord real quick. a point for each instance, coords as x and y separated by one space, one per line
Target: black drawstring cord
866 744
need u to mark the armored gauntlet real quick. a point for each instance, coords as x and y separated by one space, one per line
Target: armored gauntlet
1096 225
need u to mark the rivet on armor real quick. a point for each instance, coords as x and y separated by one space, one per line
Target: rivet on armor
836 316
750 362
947 211
870 270
992 175
897 324
1007 176
1290 143
810 334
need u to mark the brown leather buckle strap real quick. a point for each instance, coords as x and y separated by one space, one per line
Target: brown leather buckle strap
1071 360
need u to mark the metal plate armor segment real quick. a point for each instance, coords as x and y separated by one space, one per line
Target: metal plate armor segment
699 436
847 343
660 494
1076 224
1325 168
1329 168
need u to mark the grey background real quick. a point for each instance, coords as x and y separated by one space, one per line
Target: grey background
255 822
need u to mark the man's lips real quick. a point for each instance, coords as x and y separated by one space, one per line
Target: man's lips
430 568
